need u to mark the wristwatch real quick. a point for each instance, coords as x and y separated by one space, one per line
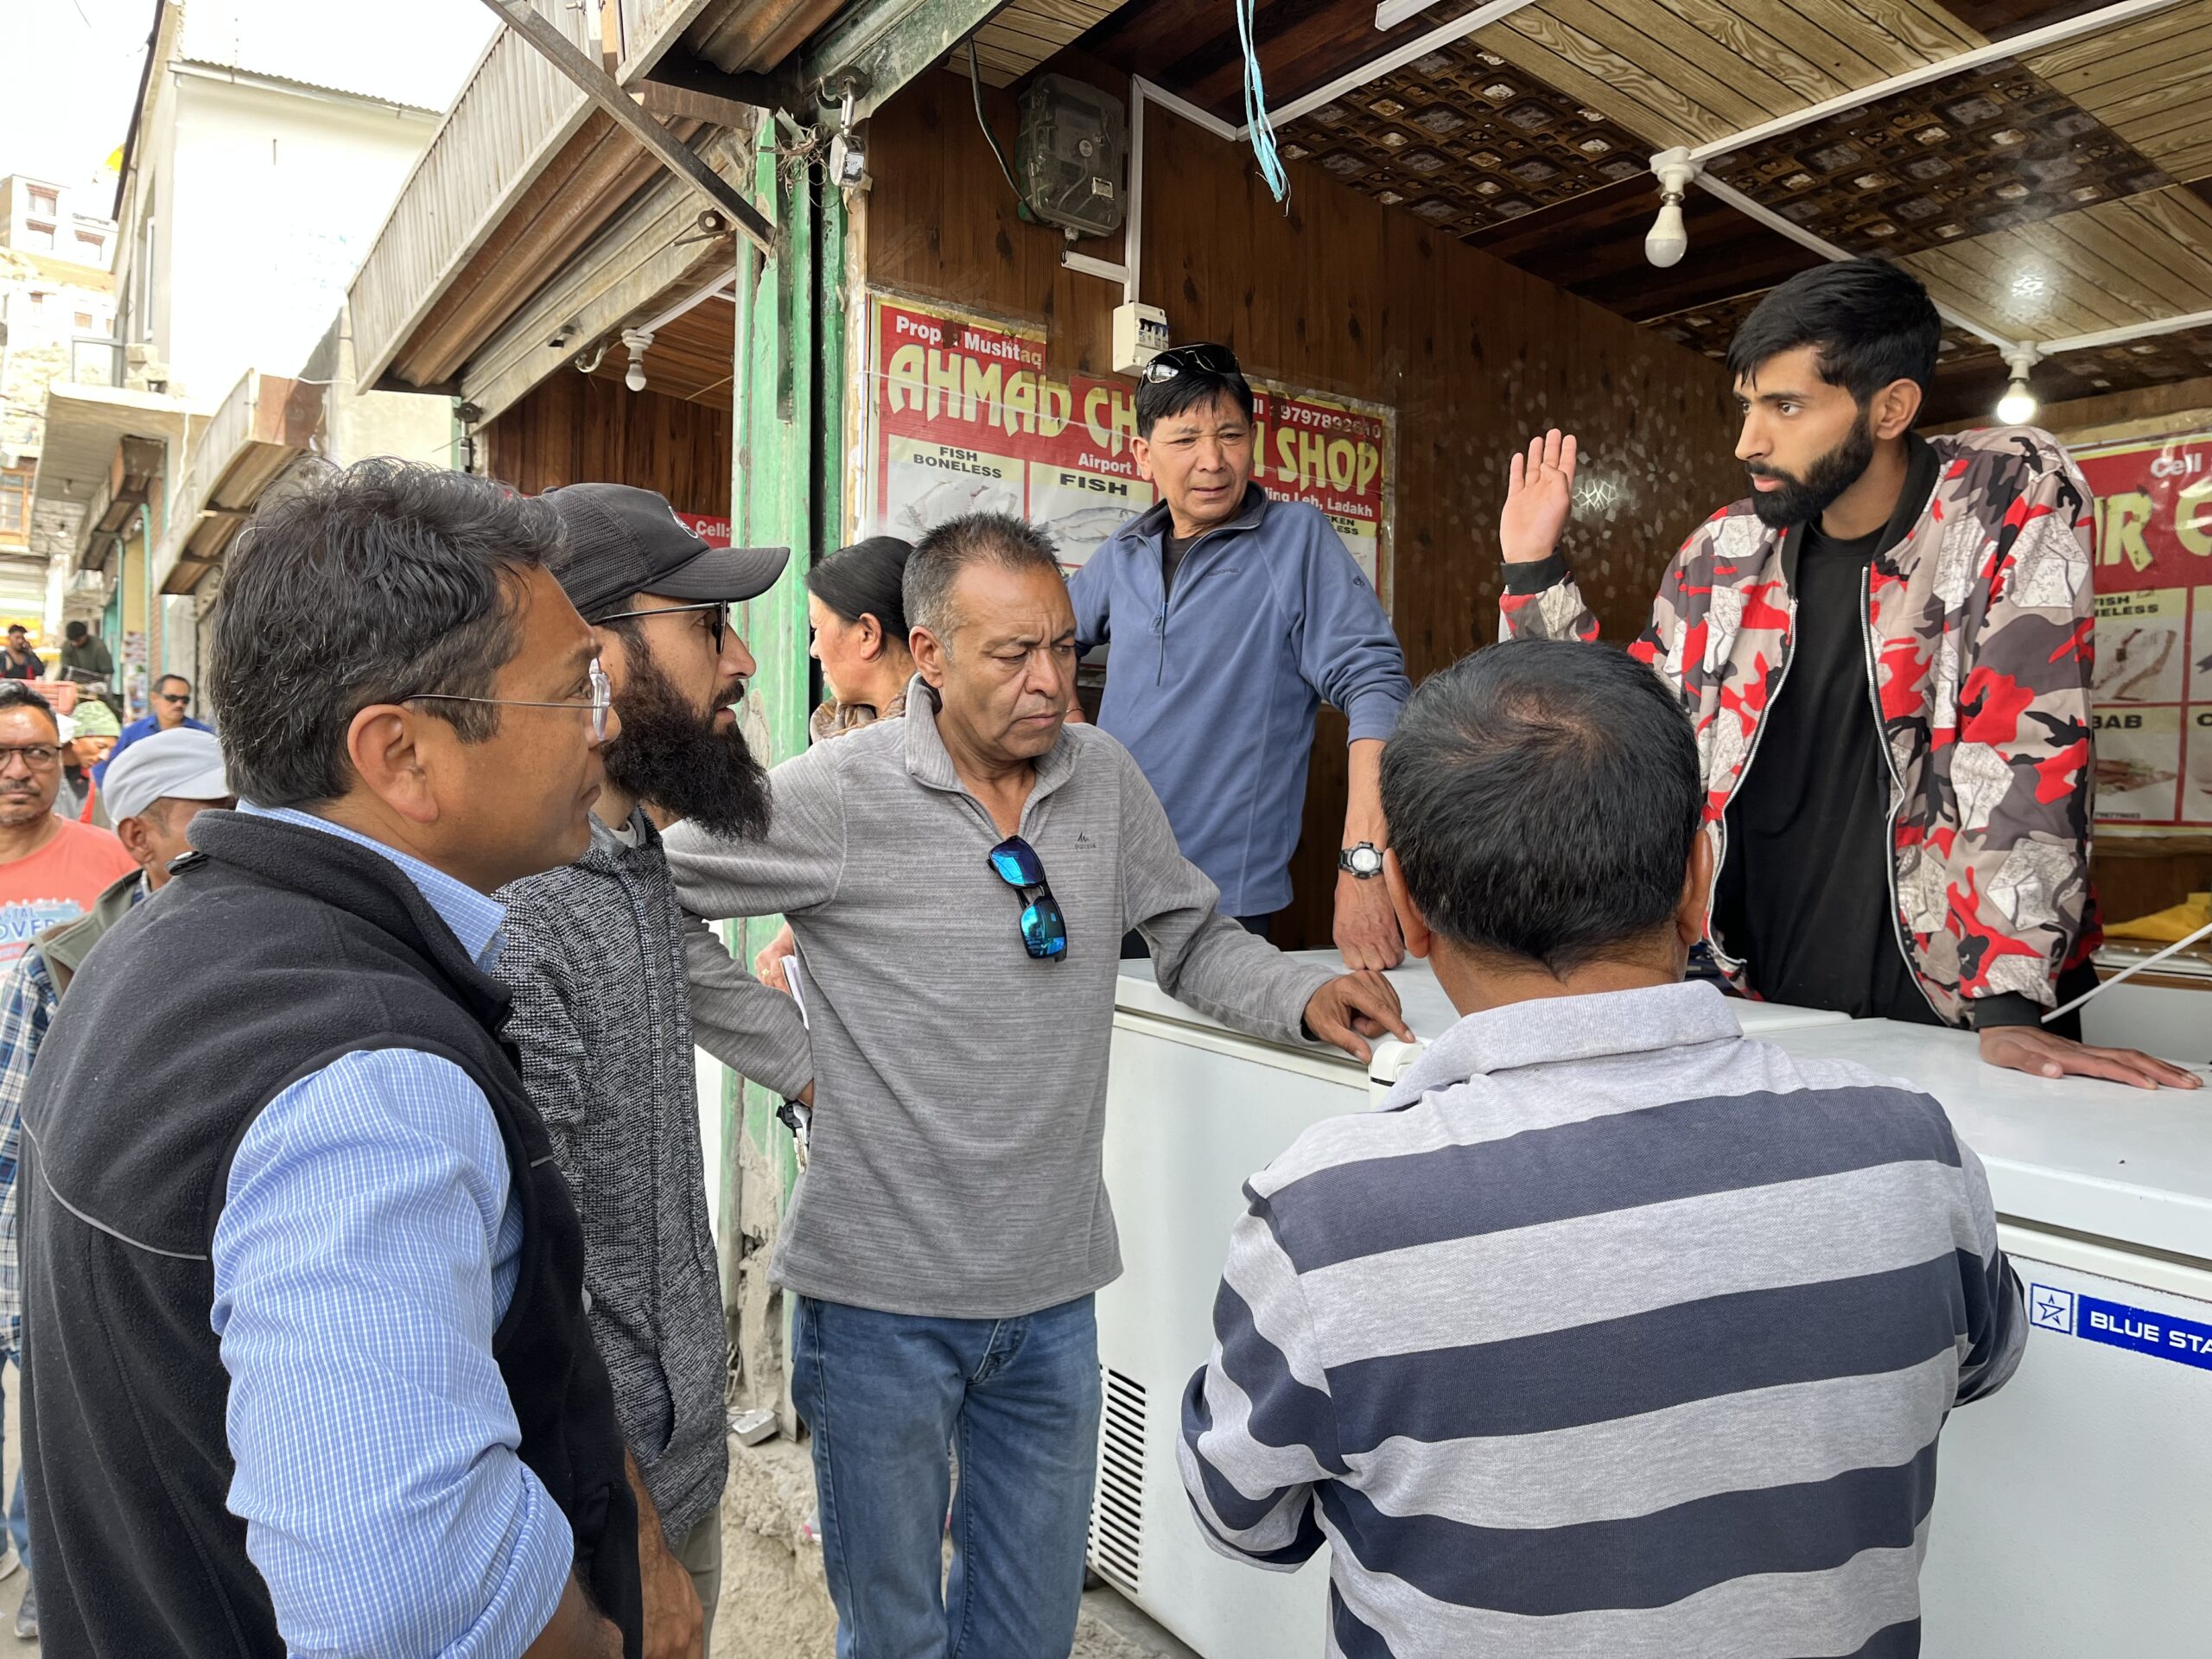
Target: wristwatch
1364 860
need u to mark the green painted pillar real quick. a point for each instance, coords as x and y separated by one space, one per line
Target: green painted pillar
787 488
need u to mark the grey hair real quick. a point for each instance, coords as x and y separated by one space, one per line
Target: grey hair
997 538
369 585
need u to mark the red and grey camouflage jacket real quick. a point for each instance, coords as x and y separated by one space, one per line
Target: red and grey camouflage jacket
1979 652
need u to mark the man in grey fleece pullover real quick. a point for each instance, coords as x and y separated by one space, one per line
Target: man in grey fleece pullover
958 883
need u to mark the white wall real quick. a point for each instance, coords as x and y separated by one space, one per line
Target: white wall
272 197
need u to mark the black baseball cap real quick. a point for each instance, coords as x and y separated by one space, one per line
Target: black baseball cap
623 540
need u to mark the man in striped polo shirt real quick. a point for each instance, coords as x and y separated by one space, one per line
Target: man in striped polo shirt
1613 1333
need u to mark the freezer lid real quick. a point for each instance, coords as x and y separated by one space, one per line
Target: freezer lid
2129 1166
1427 1010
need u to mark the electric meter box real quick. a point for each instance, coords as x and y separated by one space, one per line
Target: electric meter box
1139 335
1073 146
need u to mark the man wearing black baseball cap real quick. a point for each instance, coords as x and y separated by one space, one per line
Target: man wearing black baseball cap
595 956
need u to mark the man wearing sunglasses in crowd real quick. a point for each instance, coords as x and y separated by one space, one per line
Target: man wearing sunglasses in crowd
595 958
958 883
172 708
1233 616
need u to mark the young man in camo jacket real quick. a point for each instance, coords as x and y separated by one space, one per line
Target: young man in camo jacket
594 957
1900 631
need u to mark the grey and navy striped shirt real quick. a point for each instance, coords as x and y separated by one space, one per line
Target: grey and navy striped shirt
1612 1333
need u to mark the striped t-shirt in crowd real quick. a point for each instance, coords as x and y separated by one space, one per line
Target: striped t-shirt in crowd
1613 1333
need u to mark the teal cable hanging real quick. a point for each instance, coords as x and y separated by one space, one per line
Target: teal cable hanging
1261 130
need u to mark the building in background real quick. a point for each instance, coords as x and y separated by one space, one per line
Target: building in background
54 292
258 164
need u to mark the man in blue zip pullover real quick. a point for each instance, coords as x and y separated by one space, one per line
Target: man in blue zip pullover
1239 614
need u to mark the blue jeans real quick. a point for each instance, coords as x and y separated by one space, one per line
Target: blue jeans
886 1395
19 1523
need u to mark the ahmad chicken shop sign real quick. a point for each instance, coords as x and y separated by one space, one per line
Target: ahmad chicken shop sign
963 418
2153 687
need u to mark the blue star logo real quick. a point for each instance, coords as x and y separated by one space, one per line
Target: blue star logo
2050 1310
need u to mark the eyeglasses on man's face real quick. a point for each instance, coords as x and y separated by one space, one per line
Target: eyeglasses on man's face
36 757
179 698
596 703
716 612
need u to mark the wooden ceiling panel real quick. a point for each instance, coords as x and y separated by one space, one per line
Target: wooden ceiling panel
1979 152
2109 266
2146 82
1465 141
1694 70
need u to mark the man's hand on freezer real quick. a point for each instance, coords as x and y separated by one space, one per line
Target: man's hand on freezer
1352 1008
1539 491
2045 1054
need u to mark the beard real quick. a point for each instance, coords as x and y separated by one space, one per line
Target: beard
1800 500
670 755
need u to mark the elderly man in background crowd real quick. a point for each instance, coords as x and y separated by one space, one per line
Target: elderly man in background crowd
959 883
160 787
172 708
304 1291
51 868
594 957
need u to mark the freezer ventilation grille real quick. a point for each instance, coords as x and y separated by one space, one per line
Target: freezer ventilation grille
1117 1511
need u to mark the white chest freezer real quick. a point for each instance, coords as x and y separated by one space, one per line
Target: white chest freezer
2073 1498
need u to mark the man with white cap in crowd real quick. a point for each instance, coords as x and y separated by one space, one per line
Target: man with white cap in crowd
152 793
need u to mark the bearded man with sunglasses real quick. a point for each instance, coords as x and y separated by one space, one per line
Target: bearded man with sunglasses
958 883
1233 616
595 959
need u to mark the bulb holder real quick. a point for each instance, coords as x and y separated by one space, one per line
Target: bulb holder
637 342
1668 238
2017 406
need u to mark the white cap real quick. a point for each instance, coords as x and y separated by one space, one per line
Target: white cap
181 764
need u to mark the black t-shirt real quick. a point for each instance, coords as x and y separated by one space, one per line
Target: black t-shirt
1171 550
1804 893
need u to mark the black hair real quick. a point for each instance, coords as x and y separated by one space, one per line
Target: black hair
1543 797
16 694
996 537
1191 388
373 583
18 627
1873 322
179 678
867 579
77 630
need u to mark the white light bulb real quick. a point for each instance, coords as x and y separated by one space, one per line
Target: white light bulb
2017 406
1669 238
635 376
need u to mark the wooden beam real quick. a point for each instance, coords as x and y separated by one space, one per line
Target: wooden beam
603 90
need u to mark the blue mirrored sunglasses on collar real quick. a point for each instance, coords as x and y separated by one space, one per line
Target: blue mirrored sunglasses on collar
1044 929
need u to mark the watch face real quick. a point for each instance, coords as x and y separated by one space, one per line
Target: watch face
1364 860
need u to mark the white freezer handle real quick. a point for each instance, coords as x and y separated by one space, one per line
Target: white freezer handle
1391 1060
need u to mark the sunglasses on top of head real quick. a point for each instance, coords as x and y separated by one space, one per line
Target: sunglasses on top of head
1189 359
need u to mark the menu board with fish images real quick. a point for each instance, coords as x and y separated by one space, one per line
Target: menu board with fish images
963 417
2152 695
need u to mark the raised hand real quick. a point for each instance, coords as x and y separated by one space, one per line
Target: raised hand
1538 490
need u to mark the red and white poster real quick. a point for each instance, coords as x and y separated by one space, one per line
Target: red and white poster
2153 690
713 531
963 418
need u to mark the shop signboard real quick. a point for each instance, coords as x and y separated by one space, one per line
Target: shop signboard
964 417
2152 694
711 528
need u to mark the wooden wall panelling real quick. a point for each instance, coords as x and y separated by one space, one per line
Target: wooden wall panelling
1342 294
575 428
